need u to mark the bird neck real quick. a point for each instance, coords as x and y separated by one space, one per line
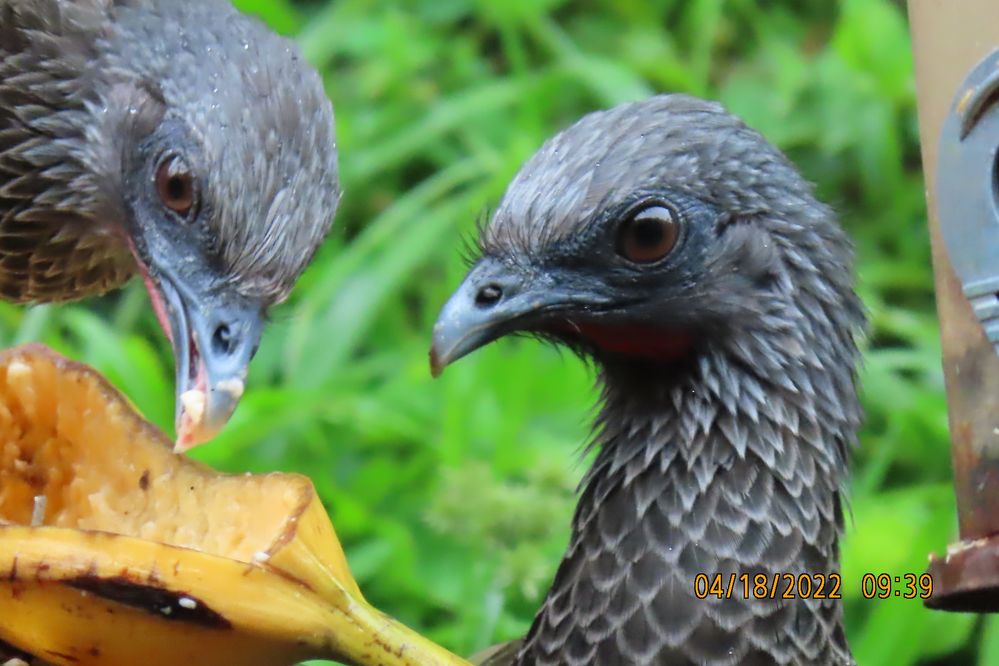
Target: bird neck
716 471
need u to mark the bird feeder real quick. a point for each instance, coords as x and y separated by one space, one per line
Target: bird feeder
957 77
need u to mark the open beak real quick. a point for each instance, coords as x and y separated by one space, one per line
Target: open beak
214 333
496 299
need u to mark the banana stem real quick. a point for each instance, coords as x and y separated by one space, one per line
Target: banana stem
387 642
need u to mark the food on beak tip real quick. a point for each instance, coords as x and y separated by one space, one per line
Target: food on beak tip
194 402
201 417
191 430
234 387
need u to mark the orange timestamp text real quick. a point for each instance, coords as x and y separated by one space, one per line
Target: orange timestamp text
903 586
810 586
768 586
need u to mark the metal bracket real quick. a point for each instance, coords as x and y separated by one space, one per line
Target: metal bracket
966 578
968 191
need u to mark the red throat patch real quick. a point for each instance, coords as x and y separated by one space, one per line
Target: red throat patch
635 340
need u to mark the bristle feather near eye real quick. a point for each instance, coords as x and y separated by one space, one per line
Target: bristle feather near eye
472 245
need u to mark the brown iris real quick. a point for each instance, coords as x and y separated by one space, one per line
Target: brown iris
648 235
175 185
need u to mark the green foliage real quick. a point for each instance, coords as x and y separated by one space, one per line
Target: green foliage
453 497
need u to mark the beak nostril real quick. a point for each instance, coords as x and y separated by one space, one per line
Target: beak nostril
488 295
222 339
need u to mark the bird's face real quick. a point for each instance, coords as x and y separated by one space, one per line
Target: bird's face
623 285
214 328
223 160
641 234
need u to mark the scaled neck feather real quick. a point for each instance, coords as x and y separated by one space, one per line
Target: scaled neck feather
719 467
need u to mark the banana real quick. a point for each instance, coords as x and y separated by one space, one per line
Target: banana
116 552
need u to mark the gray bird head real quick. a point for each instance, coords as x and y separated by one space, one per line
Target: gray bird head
643 234
204 146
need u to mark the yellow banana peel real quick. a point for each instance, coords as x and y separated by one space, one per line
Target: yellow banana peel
116 552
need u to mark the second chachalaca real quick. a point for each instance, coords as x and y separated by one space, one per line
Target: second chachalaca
689 259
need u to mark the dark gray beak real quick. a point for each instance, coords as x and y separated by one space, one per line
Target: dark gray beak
496 299
213 327
214 332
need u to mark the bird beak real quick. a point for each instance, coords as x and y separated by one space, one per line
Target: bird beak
496 299
214 333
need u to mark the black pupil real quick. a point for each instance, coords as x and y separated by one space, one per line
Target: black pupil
177 188
648 232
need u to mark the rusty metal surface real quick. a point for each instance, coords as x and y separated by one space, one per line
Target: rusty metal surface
967 578
949 38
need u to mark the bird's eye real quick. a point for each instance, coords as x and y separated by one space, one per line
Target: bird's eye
175 185
648 235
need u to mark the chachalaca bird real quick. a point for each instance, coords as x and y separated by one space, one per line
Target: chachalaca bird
178 140
686 257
